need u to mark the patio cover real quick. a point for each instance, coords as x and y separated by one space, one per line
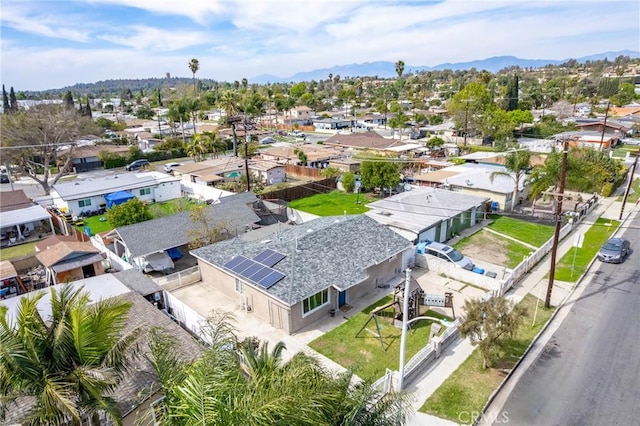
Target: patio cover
7 270
20 216
117 198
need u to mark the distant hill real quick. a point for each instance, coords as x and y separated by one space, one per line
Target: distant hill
387 69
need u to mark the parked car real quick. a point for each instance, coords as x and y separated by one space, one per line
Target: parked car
4 178
614 250
138 164
449 254
267 140
168 168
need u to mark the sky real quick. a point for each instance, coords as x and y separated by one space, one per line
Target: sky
56 43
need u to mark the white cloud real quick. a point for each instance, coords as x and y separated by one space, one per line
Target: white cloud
30 21
148 38
197 10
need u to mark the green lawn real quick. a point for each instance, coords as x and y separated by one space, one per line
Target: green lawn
17 251
166 208
468 388
334 203
364 353
634 194
531 233
512 252
594 238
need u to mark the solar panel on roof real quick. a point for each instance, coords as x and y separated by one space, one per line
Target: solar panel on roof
255 272
269 257
271 279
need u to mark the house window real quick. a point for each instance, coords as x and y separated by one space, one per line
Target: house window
84 203
314 302
145 191
239 286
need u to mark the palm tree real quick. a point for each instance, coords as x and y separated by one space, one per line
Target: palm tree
228 101
194 66
178 112
68 363
197 147
399 68
517 163
216 390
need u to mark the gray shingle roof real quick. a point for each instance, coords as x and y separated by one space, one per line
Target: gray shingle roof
137 281
172 231
325 252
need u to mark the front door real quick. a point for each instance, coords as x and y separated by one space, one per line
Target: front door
88 271
342 298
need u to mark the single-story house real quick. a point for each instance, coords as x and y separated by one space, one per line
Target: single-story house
331 123
425 213
85 157
66 261
362 141
21 219
269 172
233 214
610 128
140 385
318 156
345 164
88 195
298 275
374 120
589 139
211 172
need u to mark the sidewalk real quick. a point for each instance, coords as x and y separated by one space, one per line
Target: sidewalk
534 283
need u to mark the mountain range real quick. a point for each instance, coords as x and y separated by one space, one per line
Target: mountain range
387 69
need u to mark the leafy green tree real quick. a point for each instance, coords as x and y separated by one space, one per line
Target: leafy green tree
400 68
13 101
468 107
435 142
380 174
297 90
197 148
30 138
489 322
69 362
512 94
133 211
517 163
348 182
6 108
329 172
302 157
206 229
179 112
144 113
68 100
229 102
625 95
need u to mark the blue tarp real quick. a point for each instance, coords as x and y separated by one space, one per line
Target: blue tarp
117 198
174 253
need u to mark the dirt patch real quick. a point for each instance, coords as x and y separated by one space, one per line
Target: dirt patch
485 246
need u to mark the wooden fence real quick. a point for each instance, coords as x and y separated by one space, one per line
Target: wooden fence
302 172
300 191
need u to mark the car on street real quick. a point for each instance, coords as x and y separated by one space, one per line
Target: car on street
268 140
4 178
136 165
168 168
449 254
614 250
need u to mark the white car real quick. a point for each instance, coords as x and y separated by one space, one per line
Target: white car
449 254
168 168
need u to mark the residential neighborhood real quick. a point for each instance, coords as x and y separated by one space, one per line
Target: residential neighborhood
408 247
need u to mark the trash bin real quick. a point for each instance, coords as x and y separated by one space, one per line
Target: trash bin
332 312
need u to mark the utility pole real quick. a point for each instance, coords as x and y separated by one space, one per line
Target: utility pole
604 125
466 120
247 139
558 217
405 320
626 192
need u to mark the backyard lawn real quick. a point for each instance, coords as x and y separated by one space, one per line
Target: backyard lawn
531 233
17 251
334 203
100 223
364 353
469 387
594 238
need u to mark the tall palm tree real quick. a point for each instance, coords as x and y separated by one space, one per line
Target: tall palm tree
194 66
400 68
69 363
229 101
178 112
197 148
517 163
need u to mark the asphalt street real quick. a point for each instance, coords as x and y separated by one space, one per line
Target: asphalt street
589 371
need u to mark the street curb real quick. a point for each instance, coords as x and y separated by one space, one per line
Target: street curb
493 394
